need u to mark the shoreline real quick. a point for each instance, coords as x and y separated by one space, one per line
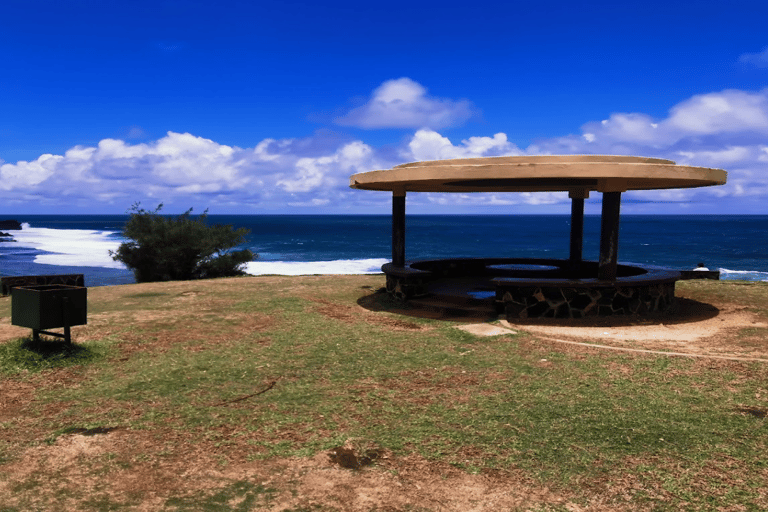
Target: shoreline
360 244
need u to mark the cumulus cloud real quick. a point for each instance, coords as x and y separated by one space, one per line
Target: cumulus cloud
186 168
430 145
328 172
759 59
28 174
404 103
726 129
719 114
723 112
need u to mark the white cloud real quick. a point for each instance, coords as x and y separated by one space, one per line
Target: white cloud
403 103
188 169
636 127
430 145
26 174
727 129
729 155
328 172
722 112
759 59
312 202
714 114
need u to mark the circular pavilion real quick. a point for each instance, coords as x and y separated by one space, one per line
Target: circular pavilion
529 287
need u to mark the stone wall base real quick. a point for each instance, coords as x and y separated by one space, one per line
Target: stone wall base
579 302
404 288
536 288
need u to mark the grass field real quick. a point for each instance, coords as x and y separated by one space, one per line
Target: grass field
283 393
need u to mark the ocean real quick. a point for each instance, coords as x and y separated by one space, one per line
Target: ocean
360 244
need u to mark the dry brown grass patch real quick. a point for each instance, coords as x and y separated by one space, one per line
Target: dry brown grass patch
353 314
14 395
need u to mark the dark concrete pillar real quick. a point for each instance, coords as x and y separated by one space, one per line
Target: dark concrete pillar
609 236
398 228
577 225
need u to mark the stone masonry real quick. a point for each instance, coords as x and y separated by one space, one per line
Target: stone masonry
578 302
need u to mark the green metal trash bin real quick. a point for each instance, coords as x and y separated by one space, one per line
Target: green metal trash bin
50 306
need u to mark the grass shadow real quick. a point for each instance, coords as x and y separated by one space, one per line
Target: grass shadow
684 311
26 354
454 311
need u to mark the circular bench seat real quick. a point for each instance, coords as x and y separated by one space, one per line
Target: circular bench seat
544 288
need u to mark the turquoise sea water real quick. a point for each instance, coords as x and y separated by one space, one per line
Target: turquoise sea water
326 244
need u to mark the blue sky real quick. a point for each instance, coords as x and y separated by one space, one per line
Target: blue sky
268 107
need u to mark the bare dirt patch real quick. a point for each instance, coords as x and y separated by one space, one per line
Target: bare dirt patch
13 397
10 332
407 482
142 470
686 331
116 465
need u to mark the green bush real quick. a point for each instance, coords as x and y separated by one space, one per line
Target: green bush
166 248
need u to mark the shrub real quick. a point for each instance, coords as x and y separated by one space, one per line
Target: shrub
164 248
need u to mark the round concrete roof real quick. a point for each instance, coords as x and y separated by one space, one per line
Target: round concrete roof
563 173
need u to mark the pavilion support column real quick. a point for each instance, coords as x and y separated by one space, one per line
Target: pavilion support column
577 225
398 228
609 236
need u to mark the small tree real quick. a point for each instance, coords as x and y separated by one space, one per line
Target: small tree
179 248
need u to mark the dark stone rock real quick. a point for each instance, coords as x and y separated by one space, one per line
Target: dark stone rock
605 311
538 310
620 302
10 224
581 302
594 294
563 311
590 309
605 300
554 304
513 310
553 295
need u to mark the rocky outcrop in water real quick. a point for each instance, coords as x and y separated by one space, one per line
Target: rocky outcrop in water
10 224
